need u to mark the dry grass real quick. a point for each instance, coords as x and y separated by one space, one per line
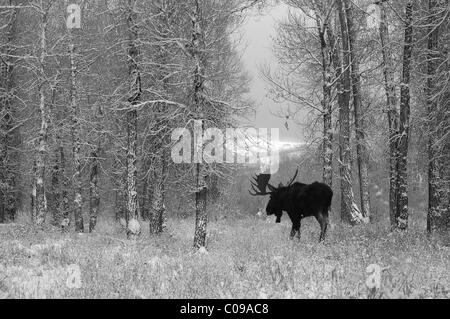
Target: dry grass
246 258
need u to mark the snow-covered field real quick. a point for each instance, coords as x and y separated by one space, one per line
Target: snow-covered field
245 258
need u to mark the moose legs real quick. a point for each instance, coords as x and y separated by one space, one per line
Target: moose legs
295 230
278 215
322 218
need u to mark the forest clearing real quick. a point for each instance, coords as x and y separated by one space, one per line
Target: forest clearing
246 258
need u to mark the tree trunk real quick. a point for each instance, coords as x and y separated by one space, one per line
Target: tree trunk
40 204
55 199
76 142
403 141
392 113
133 226
158 194
94 194
145 190
438 217
349 210
158 207
119 181
7 169
361 150
33 189
131 182
65 202
160 173
198 47
327 78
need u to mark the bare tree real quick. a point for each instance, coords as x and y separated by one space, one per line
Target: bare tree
391 110
437 100
198 51
94 192
300 49
55 199
361 150
41 147
165 15
7 167
349 209
76 139
403 139
133 227
323 20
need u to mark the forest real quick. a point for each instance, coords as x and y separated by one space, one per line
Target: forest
94 95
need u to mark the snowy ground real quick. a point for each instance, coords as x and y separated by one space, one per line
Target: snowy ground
245 258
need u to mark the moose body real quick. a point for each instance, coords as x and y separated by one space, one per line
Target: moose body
298 200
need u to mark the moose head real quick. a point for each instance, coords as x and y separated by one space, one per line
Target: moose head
278 195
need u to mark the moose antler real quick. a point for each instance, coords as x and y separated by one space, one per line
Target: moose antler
259 184
293 178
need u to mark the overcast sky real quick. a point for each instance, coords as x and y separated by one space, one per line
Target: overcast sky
257 49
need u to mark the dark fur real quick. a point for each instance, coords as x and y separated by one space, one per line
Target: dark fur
302 200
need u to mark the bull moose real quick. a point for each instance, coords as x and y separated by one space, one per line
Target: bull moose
297 199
